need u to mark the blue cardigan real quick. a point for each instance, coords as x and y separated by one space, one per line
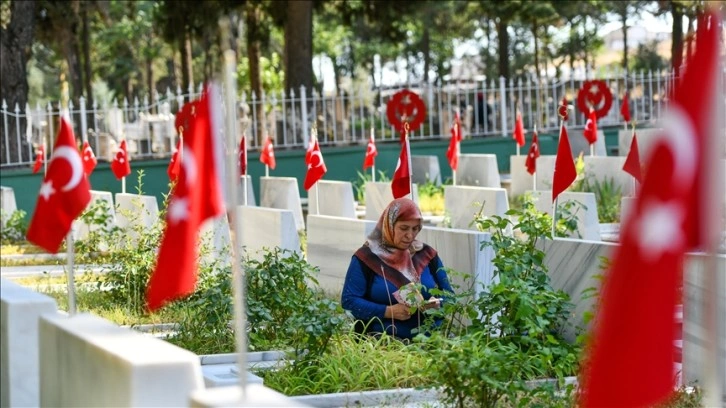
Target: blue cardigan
373 307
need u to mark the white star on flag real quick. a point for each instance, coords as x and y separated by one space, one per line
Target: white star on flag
178 210
659 229
46 190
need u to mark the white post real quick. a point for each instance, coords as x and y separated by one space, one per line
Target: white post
373 167
503 104
70 253
410 169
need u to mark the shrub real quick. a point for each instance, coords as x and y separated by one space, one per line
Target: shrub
15 228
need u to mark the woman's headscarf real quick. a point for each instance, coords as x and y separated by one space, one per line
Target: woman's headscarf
379 250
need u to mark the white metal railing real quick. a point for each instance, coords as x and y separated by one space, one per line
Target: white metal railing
487 108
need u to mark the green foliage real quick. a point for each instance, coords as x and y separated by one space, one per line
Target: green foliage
271 71
15 227
646 58
607 196
431 198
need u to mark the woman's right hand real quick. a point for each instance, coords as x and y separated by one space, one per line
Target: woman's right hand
399 311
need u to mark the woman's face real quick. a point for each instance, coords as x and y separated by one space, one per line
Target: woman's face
404 233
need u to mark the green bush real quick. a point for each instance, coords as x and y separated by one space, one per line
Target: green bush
15 228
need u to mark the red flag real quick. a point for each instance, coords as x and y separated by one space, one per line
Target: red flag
625 108
174 165
401 183
590 131
519 130
120 164
196 197
39 158
243 156
632 162
533 154
371 153
631 359
452 153
316 167
311 147
565 172
267 156
89 159
64 194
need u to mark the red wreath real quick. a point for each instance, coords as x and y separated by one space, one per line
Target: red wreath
406 105
595 95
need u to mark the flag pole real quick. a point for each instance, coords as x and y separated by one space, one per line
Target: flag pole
238 273
373 167
70 254
406 127
534 175
314 132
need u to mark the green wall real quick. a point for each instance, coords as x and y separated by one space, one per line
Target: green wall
343 163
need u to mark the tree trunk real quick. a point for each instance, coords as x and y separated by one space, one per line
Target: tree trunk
16 38
150 79
503 37
185 51
677 37
253 57
86 43
624 18
299 45
426 49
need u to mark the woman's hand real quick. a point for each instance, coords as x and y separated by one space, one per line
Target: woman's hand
398 311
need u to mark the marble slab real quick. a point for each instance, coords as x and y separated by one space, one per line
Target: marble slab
264 227
335 199
331 242
81 229
626 206
255 395
425 169
522 181
378 195
578 143
246 181
88 361
7 203
588 224
606 169
134 210
646 141
20 309
479 170
463 203
215 240
282 193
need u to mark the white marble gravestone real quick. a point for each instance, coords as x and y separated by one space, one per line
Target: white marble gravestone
522 181
135 210
378 195
463 203
246 181
88 361
264 227
626 207
425 169
336 199
331 243
479 170
282 193
81 229
215 240
609 169
256 395
578 143
646 141
588 224
20 309
7 203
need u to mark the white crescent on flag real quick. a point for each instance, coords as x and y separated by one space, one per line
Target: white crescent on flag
319 162
74 160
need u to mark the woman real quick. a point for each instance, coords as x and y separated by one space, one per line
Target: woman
384 276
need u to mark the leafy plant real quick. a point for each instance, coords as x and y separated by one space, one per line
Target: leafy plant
607 196
14 229
431 198
360 183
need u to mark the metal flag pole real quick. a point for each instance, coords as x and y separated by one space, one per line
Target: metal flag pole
534 176
406 127
70 253
314 133
373 167
238 273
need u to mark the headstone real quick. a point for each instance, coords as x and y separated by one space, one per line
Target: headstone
88 361
282 193
264 227
336 199
378 195
646 141
215 240
425 169
81 229
626 207
579 144
479 170
331 242
135 210
246 181
463 203
522 181
20 309
7 203
256 395
584 209
609 170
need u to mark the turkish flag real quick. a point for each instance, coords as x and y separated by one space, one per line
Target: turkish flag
184 116
625 108
632 162
196 197
89 159
267 156
590 131
174 164
631 361
120 164
39 158
401 183
311 147
242 154
519 130
371 153
452 153
316 166
64 194
532 155
565 172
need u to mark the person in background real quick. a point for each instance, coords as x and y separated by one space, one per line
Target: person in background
387 286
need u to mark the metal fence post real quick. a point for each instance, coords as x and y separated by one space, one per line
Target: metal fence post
84 125
304 112
503 104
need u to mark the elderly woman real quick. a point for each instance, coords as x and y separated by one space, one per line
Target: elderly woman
389 278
